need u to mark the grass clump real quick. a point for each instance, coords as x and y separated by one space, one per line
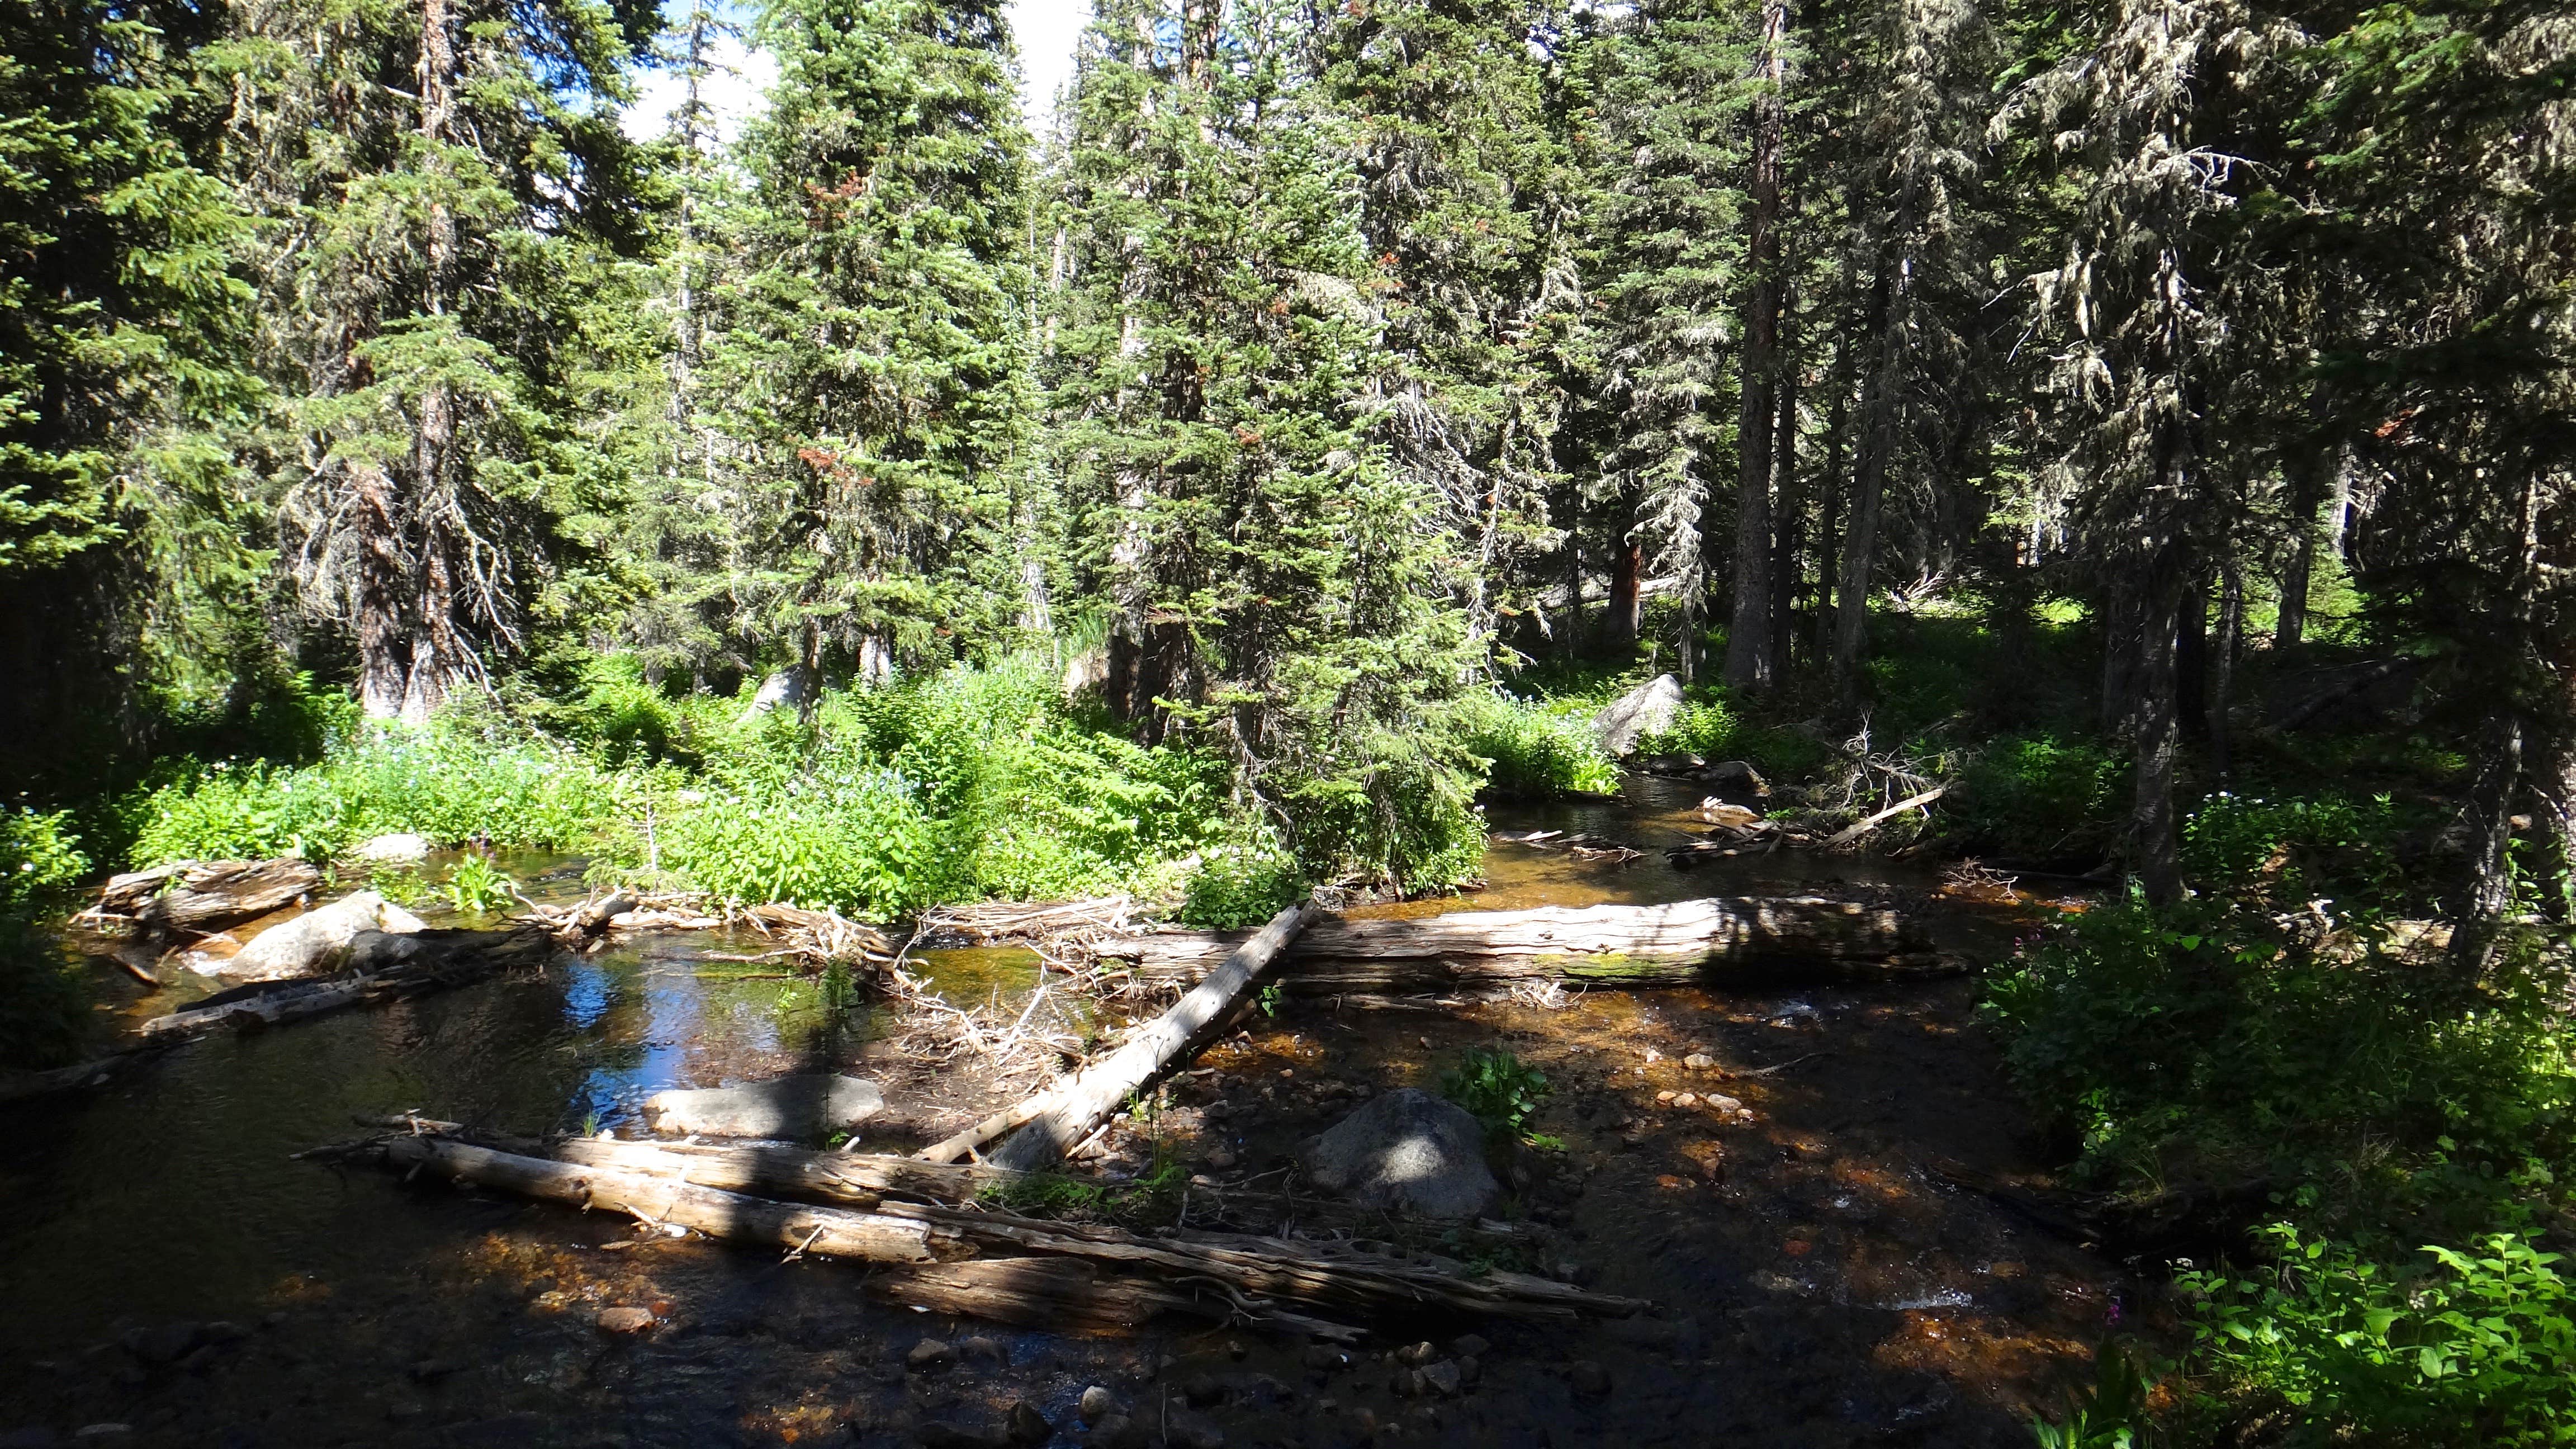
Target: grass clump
1536 747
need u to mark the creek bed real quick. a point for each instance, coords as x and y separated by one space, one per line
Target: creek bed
1828 1287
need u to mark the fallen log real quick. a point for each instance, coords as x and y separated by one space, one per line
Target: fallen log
1068 1293
1018 1114
198 897
835 1232
857 1179
1666 945
386 967
1248 1276
1078 1106
1868 823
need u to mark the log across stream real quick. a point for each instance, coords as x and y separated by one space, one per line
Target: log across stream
1682 943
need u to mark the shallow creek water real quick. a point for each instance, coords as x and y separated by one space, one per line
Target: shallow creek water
166 1266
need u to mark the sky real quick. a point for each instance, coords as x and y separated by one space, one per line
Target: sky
1047 31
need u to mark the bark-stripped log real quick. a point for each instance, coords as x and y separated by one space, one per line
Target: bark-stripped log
1083 1103
413 964
1668 945
834 1232
196 897
1069 1294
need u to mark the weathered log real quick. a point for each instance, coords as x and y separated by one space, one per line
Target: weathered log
316 943
1081 1104
834 1232
1069 1293
388 967
1868 823
858 1179
1664 945
1252 1274
199 896
1018 1114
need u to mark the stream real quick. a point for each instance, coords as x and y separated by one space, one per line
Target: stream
172 1276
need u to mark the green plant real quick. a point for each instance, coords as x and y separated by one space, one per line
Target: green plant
2039 796
2298 848
1496 1088
2109 1414
1533 747
2472 1348
479 888
840 988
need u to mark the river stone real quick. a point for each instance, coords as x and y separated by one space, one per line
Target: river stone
795 1108
317 942
403 848
1648 709
625 1319
1409 1151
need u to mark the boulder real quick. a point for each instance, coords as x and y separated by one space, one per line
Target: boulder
316 943
1736 778
1408 1151
798 1108
404 848
786 689
1648 709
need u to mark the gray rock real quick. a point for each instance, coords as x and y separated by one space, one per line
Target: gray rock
1116 1431
1409 1151
1735 777
797 1107
403 848
1588 1378
317 942
625 1319
163 1343
1443 1378
929 1354
1650 708
785 688
1097 1403
1025 1426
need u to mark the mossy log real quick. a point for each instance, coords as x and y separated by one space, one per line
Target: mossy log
1668 945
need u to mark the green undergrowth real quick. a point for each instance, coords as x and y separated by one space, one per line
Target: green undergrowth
2405 1133
1537 746
44 1012
968 784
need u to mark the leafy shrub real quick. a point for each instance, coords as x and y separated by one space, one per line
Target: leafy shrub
44 1010
40 858
1241 885
476 887
2111 1414
2473 1348
1710 726
2296 849
451 783
850 838
2040 796
1535 748
1497 1089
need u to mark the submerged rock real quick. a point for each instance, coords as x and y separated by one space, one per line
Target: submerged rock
318 942
1409 1151
1648 709
796 1108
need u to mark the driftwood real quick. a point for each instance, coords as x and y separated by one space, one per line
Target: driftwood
1868 823
198 897
1610 945
1078 1106
390 967
1234 1277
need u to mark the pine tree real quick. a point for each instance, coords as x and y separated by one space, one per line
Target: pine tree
875 366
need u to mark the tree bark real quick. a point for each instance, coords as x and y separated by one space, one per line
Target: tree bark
1081 1104
1789 505
2223 649
384 645
1625 614
2155 848
1869 482
1748 636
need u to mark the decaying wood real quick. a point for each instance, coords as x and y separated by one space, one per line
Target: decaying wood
835 1232
986 922
823 935
1868 823
1068 1293
197 897
1019 1114
583 922
427 961
1078 1106
1226 1275
1611 945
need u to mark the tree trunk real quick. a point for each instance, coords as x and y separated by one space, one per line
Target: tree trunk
1625 613
2222 660
384 646
434 647
1081 1104
2291 630
2191 661
1789 510
2155 848
1829 502
1878 408
1748 636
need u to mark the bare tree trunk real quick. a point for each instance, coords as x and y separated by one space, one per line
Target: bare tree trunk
1625 614
1748 635
1869 483
2292 628
1789 511
2222 660
2155 857
2191 661
1829 498
384 652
